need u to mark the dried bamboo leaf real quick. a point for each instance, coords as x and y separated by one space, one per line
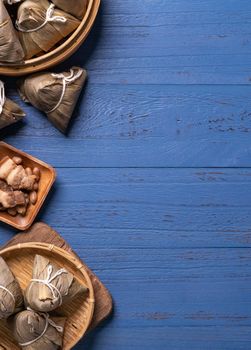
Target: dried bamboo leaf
36 331
11 298
51 286
11 114
54 94
11 50
76 8
41 26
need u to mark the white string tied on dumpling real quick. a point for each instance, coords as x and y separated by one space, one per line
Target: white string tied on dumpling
9 292
48 283
11 2
48 18
48 322
2 96
66 80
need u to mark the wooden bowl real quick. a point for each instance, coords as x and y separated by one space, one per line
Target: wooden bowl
48 176
79 312
60 53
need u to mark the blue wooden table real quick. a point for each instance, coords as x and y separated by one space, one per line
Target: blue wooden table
154 178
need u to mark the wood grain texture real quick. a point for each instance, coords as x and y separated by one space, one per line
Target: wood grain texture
153 189
124 126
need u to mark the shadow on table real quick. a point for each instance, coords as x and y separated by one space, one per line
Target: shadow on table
84 54
89 341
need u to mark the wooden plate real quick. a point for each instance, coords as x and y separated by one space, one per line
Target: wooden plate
79 312
60 53
48 176
42 233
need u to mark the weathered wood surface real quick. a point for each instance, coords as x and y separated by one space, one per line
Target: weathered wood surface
154 178
127 126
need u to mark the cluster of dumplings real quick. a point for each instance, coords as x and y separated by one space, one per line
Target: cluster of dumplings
39 25
29 315
54 94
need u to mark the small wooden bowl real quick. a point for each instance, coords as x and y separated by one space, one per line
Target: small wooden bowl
60 53
79 312
48 176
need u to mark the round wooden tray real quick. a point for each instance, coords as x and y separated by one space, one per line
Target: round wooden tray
79 312
60 53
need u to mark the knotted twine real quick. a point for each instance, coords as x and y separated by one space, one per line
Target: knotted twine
48 322
2 96
48 283
66 80
48 18
9 292
11 2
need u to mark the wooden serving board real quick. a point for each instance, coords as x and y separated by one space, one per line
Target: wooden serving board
41 232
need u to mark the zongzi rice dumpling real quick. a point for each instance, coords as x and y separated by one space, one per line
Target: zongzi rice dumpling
37 331
51 286
54 94
76 8
11 50
11 297
10 112
42 26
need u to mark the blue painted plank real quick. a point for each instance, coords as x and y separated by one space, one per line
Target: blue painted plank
173 338
142 208
144 194
167 43
161 288
153 126
170 289
195 206
161 42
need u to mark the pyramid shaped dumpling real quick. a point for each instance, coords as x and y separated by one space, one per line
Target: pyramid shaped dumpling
54 94
36 331
62 288
41 26
76 8
11 297
10 112
11 50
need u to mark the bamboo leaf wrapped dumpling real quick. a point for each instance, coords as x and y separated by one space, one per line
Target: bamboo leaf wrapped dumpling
11 50
54 94
41 26
51 286
36 331
11 297
10 112
76 8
